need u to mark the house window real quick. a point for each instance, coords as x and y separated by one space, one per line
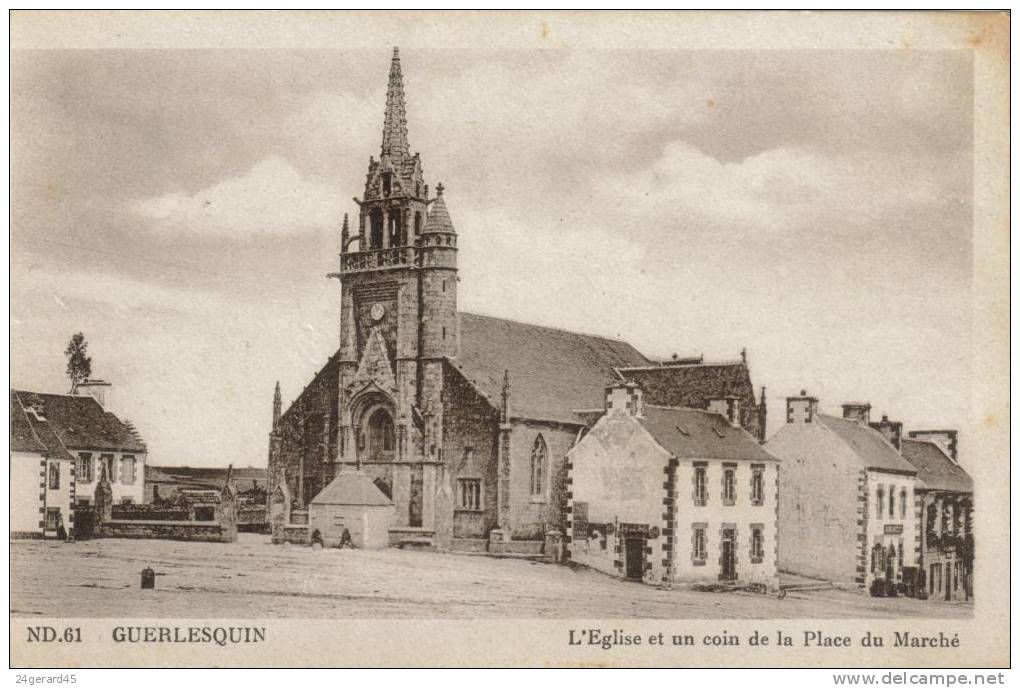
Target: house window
892 501
757 485
127 470
107 461
52 518
880 502
699 544
539 456
757 543
729 492
54 476
470 492
903 504
83 474
700 485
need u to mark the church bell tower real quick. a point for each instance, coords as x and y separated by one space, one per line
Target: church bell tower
398 322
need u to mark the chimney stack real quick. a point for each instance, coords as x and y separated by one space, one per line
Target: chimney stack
625 395
944 439
801 409
891 430
728 406
859 411
97 389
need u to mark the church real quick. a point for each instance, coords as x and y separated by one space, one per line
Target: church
462 421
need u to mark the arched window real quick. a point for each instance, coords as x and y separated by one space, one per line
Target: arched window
417 224
387 183
539 456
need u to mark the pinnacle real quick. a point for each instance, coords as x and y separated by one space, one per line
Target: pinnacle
439 217
394 140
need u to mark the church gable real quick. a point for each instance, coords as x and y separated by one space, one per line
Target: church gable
375 366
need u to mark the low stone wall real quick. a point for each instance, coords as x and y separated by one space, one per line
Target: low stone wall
194 531
294 534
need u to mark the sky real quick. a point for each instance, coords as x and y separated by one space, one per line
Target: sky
182 208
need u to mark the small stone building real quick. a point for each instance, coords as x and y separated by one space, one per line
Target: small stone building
352 501
846 510
674 495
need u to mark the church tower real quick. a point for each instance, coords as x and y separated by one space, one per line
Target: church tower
398 321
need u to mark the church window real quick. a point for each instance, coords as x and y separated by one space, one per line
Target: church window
880 502
387 183
892 501
539 456
470 493
903 503
417 224
54 476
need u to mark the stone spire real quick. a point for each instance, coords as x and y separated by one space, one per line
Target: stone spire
277 404
394 138
438 221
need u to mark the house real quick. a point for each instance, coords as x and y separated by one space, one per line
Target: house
79 436
462 420
846 507
673 495
41 474
944 510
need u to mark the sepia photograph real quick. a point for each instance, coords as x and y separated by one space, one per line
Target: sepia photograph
422 318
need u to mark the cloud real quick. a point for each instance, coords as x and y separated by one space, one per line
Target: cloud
271 198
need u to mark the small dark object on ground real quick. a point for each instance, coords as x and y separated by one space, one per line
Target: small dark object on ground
148 579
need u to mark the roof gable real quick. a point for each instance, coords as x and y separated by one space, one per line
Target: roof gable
868 445
935 469
695 434
691 386
23 437
352 488
79 422
552 372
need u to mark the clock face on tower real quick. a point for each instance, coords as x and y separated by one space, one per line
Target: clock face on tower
377 312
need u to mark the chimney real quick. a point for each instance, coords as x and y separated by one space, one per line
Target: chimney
97 389
728 406
859 411
625 395
891 430
944 439
801 409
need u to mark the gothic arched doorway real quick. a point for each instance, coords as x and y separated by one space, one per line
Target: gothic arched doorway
379 436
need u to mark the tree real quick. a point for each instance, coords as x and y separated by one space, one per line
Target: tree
79 364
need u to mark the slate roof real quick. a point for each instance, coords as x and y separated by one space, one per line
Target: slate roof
868 444
23 437
936 470
695 434
78 422
691 386
438 219
352 488
552 372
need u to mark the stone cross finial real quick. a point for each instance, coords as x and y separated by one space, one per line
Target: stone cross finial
440 189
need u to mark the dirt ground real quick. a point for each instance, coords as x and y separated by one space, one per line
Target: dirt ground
101 578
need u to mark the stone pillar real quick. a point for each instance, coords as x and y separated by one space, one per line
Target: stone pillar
104 500
386 228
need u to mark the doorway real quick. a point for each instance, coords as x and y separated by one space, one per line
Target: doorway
635 558
948 579
729 555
